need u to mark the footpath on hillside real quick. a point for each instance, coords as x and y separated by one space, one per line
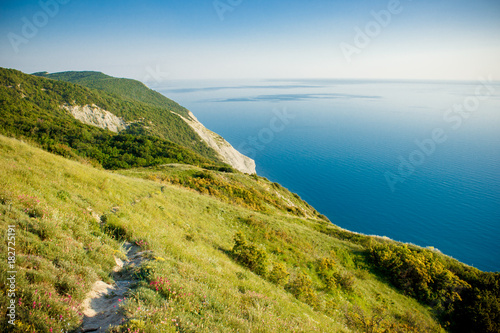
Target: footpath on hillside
101 307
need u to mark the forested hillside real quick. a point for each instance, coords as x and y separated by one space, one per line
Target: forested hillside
31 108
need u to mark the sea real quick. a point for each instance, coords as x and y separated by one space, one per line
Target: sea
415 161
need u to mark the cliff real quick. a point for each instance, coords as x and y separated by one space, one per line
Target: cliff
96 116
159 116
226 152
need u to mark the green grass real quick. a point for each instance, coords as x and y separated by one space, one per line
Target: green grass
253 192
60 244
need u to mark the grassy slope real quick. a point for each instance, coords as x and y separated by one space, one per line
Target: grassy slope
59 245
253 192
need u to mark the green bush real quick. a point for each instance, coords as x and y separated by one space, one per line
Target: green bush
466 299
250 255
301 288
419 273
279 275
331 282
326 266
113 227
346 279
326 271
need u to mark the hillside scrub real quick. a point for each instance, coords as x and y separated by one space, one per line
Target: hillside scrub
250 192
465 298
193 282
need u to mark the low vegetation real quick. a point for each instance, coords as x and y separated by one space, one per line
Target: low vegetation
256 193
71 220
465 298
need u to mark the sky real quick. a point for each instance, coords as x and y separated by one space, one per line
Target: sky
156 40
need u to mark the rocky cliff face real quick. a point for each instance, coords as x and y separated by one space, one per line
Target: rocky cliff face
94 115
227 152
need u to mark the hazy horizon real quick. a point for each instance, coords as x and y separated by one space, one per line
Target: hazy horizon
157 41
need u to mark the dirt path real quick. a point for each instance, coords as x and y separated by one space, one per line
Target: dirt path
100 308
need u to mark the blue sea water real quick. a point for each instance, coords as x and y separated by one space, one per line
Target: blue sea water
340 144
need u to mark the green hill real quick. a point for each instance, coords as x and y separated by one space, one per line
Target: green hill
151 112
214 250
30 107
127 89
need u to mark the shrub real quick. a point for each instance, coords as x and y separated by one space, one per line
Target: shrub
250 255
326 265
279 275
375 322
331 282
345 279
205 174
419 273
113 227
301 288
63 195
326 270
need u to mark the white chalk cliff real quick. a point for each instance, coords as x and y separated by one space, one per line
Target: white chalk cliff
226 152
96 116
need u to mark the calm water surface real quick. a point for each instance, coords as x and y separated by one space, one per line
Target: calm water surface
340 141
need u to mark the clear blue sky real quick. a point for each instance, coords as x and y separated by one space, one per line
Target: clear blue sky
440 39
